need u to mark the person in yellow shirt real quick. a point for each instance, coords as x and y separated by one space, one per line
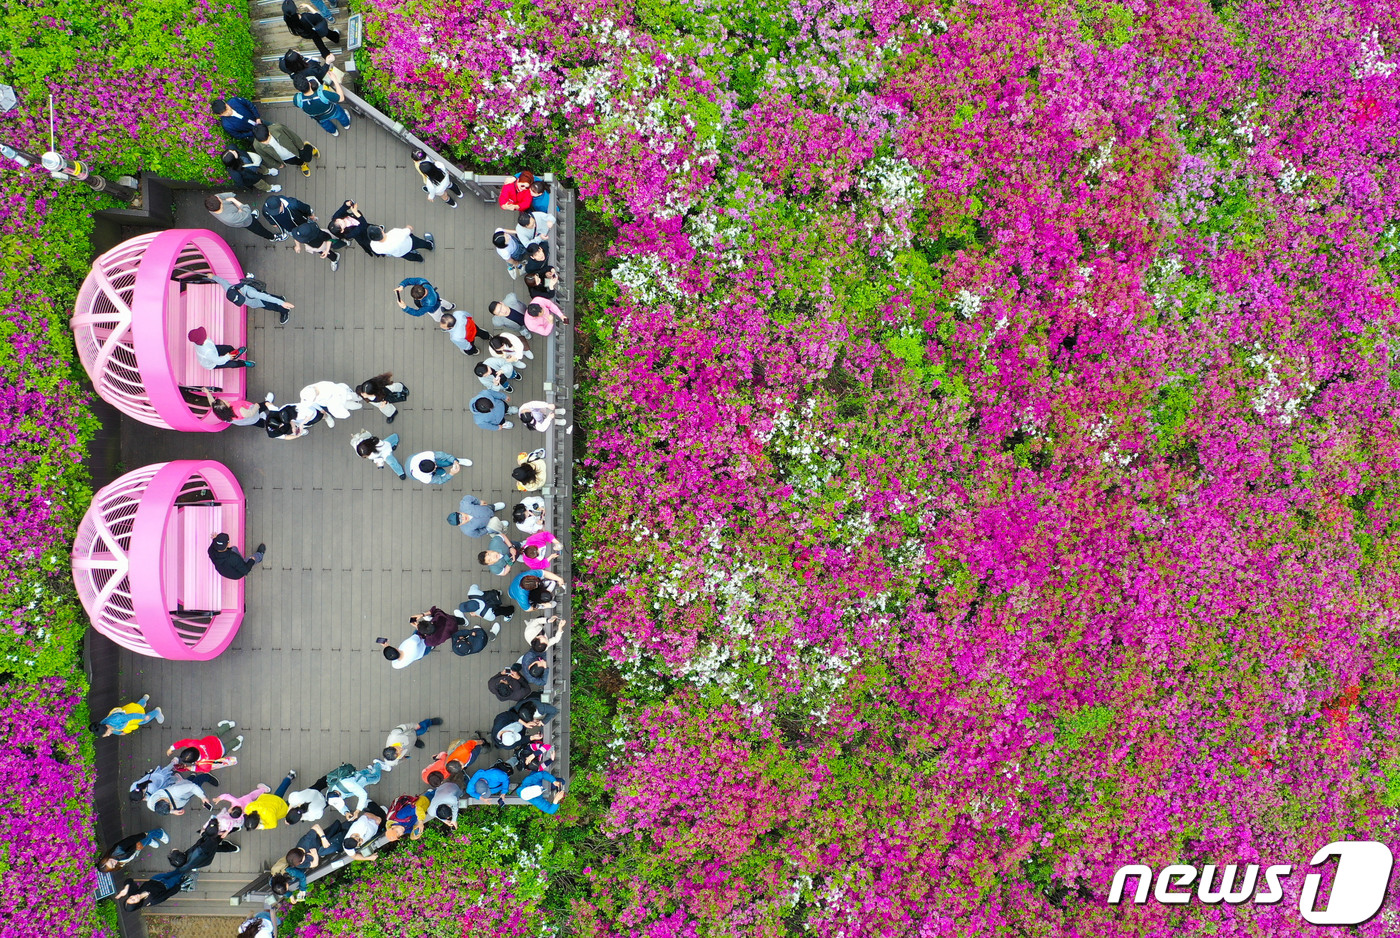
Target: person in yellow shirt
264 811
128 718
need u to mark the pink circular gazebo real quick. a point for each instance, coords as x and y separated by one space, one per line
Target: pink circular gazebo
141 560
131 320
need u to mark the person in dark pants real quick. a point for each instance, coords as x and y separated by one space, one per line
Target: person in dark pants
471 641
294 64
287 213
209 845
157 889
321 103
228 210
128 848
229 561
400 242
279 146
247 170
306 23
348 224
213 355
311 851
238 116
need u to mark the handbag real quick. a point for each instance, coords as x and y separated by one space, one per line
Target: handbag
396 397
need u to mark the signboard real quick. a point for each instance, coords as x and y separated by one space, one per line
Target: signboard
106 886
354 32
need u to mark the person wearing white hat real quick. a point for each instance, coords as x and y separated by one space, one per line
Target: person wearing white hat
543 790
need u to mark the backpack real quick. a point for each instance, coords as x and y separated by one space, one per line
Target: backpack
339 774
255 283
396 397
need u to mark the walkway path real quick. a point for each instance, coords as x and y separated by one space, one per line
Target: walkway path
352 551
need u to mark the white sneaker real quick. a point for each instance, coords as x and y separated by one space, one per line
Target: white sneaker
507 425
513 271
237 744
499 505
570 431
271 172
224 723
529 354
275 189
465 463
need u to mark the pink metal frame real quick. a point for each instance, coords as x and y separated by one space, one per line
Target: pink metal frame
119 560
121 323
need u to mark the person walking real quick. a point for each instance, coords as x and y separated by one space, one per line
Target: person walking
543 790
229 560
511 250
436 182
211 355
449 763
379 452
401 738
530 472
528 514
540 415
154 780
204 754
541 314
508 313
461 331
475 518
349 224
511 348
264 811
238 116
332 399
129 848
209 845
491 784
321 103
434 467
489 411
499 554
235 214
318 241
540 549
249 292
160 887
306 22
307 804
423 297
496 374
126 719
247 170
444 802
279 146
400 242
293 64
230 819
435 626
172 798
409 650
484 604
287 213
473 640
515 194
346 782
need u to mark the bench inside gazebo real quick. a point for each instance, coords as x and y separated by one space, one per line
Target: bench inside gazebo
142 566
131 322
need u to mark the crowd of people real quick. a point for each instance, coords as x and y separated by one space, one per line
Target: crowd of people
341 816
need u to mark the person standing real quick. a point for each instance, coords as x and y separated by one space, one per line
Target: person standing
540 415
458 755
172 798
279 146
434 467
491 784
212 356
511 250
508 313
305 22
400 242
359 840
318 243
543 790
475 518
511 347
321 103
543 283
508 685
379 452
238 116
495 374
528 514
540 549
246 170
539 190
229 560
515 194
311 850
532 226
287 213
349 224
353 785
529 591
543 632
444 802
435 626
235 214
541 314
436 181
266 810
127 718
308 804
401 738
489 411
473 640
424 297
530 472
461 331
499 554
129 848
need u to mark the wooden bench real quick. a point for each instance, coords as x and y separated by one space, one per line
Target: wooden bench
199 587
204 305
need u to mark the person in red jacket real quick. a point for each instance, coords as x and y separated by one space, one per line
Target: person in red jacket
516 195
207 753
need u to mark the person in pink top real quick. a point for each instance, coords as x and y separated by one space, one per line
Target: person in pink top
540 315
231 818
540 548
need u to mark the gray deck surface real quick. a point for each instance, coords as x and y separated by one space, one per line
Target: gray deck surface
352 551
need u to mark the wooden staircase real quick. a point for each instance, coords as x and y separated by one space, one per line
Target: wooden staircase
273 40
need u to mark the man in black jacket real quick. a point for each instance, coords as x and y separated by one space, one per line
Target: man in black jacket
229 561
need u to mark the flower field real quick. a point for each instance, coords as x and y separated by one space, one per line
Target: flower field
130 84
991 456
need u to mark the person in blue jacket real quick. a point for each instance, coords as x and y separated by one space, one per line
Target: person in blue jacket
529 589
489 411
426 301
492 783
238 116
543 790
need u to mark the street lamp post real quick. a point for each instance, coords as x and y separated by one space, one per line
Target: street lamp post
61 167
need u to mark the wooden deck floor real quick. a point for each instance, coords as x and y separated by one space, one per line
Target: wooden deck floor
352 551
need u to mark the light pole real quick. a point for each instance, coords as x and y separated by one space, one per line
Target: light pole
61 168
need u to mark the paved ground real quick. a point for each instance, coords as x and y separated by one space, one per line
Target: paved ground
352 551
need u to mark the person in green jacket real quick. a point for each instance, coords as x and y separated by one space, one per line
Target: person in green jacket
278 145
